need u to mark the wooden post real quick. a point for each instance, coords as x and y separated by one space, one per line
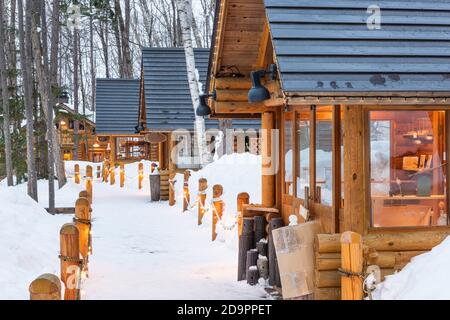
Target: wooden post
242 198
77 174
202 186
99 172
268 177
260 228
105 171
89 178
218 205
251 261
352 262
45 287
83 222
164 185
140 174
112 173
186 195
155 187
274 272
172 181
70 261
122 175
245 244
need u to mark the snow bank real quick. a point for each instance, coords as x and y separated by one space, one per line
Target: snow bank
29 242
426 277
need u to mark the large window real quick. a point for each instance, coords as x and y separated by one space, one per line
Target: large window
408 168
303 130
131 148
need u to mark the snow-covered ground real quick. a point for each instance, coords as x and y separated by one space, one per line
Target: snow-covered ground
141 250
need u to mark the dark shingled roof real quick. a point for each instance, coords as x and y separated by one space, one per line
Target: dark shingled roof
167 96
117 106
325 46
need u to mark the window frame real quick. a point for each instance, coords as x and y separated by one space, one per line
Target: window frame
367 167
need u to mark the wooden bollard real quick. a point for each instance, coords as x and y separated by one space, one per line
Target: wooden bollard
112 174
263 267
99 172
218 205
245 244
106 171
252 259
252 275
242 198
45 287
352 266
260 228
202 187
122 174
89 178
274 272
172 194
140 175
186 194
83 222
84 194
77 174
71 263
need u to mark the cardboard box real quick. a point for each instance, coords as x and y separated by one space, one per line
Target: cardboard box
294 246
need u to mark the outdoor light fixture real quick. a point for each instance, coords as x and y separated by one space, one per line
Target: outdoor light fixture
139 128
96 145
258 92
203 110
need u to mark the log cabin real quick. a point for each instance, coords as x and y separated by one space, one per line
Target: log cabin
65 119
359 109
166 116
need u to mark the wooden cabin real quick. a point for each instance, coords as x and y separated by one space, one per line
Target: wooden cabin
117 108
65 119
166 117
361 115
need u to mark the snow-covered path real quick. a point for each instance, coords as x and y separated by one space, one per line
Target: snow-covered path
146 250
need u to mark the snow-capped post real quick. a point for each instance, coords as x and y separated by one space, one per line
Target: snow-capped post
186 195
242 199
70 261
245 244
251 264
83 223
202 186
45 287
89 177
184 8
122 174
217 208
140 175
274 272
112 173
172 181
351 266
77 173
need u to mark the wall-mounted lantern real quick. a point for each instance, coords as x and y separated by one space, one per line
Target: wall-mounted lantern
203 110
258 92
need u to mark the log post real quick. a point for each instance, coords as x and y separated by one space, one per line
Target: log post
245 244
164 185
106 171
112 173
186 195
274 272
242 198
218 206
155 186
172 181
122 175
269 157
45 287
89 178
202 186
83 222
77 174
99 172
263 267
260 228
352 266
251 262
70 261
140 175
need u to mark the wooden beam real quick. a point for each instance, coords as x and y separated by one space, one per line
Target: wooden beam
268 150
240 107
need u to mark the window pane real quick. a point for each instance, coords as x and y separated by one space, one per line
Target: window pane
303 134
288 155
408 169
324 153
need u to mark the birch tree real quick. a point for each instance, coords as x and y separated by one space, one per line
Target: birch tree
185 14
5 98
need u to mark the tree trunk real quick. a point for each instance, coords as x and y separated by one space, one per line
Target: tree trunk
25 61
185 13
5 99
76 47
91 58
122 32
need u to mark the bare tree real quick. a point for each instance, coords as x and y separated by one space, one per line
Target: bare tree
76 48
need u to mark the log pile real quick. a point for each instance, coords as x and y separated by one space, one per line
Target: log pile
390 251
164 185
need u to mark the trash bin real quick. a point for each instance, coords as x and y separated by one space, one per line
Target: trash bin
155 187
